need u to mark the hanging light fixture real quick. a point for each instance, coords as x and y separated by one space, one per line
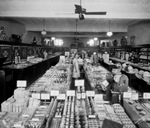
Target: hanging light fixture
109 33
43 32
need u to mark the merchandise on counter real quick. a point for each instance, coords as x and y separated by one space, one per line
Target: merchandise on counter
56 78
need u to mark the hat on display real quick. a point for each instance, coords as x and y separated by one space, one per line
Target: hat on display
141 72
130 69
146 74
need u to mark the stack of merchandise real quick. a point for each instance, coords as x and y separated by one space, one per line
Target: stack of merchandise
16 103
119 110
67 120
96 76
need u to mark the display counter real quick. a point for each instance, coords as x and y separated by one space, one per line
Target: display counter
30 73
134 114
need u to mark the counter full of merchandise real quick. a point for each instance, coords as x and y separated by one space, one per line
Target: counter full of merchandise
97 77
24 71
139 111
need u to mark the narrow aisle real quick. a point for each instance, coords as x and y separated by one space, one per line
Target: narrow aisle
82 76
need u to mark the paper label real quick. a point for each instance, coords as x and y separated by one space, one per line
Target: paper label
83 96
45 96
135 96
90 93
92 116
79 95
36 95
146 95
98 97
70 93
105 83
54 92
61 97
79 82
127 95
21 83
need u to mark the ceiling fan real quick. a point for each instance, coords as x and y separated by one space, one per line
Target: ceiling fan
79 10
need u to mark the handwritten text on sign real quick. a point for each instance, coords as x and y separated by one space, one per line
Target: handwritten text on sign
146 95
79 82
21 83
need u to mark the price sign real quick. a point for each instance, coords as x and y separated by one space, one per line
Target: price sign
21 83
45 96
54 92
90 93
135 96
127 95
98 97
61 97
83 96
70 93
79 96
146 95
105 83
36 95
79 82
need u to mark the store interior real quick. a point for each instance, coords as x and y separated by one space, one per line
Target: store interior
75 64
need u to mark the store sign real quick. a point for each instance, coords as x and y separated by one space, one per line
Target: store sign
127 95
45 96
105 83
36 95
79 82
90 93
21 83
146 95
70 93
54 92
135 96
61 97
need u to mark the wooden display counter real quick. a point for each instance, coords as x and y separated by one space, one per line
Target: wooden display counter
29 73
134 115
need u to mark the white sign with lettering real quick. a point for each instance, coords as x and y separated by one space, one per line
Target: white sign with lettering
146 95
21 83
70 93
45 96
90 93
36 95
61 97
54 92
127 95
79 82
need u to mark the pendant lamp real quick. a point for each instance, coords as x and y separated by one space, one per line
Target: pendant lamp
43 32
109 33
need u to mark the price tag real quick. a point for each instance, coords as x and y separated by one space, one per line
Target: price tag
105 83
98 97
90 93
79 82
79 95
54 92
36 95
92 116
45 96
70 93
135 96
83 96
61 97
21 83
146 95
127 95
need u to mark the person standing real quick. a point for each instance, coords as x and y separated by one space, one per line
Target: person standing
76 70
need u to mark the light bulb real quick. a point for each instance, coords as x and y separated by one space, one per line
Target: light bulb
43 32
109 34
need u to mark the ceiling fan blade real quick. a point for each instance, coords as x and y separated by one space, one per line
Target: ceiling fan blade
78 9
95 13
